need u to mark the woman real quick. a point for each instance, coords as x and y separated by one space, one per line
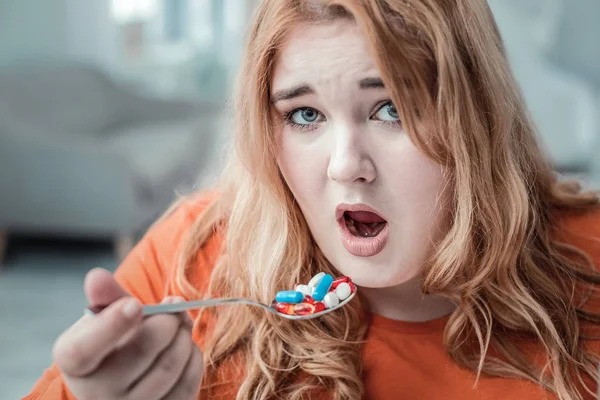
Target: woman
382 140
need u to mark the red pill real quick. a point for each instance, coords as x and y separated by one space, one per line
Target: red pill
338 281
284 308
319 307
309 300
303 309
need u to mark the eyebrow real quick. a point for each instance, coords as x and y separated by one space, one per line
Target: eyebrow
304 89
287 94
371 83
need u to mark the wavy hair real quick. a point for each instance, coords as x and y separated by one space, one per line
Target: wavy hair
445 67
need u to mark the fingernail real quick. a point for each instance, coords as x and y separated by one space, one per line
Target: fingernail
131 309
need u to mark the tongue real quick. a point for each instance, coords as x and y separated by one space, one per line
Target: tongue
366 230
364 223
365 217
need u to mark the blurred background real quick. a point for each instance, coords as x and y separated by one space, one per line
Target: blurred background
110 109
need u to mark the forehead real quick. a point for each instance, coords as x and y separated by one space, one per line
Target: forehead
323 52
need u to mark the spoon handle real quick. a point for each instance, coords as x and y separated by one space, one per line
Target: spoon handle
180 307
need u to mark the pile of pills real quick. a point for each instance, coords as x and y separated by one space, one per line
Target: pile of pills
322 292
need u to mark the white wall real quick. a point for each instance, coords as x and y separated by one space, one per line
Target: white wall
32 29
562 104
91 34
57 30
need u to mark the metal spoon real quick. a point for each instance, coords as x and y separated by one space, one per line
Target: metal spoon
195 304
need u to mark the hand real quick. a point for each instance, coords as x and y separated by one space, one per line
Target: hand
119 355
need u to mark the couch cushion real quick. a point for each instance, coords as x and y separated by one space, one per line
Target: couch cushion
69 99
156 151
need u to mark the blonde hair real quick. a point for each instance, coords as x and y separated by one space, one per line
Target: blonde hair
444 65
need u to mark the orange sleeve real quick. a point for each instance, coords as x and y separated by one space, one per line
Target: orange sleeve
143 273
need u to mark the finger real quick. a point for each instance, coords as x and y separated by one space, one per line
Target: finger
134 359
166 300
165 372
188 322
82 348
188 386
101 288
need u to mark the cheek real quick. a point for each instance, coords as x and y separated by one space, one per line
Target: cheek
425 181
410 175
299 167
423 191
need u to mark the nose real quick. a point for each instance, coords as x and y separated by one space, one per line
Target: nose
350 161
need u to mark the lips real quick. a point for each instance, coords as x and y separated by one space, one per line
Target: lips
364 231
356 208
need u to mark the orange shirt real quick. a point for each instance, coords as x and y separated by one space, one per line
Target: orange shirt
401 360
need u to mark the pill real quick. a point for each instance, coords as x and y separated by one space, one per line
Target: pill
322 287
319 307
289 296
316 279
331 300
283 308
303 309
338 281
304 289
309 300
343 291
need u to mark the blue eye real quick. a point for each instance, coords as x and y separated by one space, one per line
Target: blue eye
304 116
387 112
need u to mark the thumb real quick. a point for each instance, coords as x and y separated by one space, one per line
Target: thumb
184 315
101 288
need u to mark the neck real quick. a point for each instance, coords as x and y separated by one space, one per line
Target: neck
406 302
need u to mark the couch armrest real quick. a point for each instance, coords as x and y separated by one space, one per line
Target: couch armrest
138 107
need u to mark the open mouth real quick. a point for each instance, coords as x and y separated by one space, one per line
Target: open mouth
363 230
364 224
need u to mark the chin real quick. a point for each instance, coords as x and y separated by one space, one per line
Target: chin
372 273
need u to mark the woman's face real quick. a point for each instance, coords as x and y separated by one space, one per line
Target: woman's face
373 202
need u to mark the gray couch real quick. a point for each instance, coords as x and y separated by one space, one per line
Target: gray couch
540 37
83 156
